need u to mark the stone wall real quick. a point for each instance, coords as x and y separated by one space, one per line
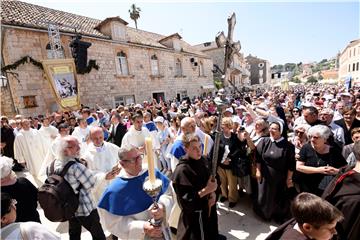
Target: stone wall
99 87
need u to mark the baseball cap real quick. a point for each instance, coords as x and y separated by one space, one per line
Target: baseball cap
159 119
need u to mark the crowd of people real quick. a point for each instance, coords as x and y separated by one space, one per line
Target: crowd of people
283 149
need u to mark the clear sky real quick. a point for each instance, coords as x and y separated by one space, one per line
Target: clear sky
279 31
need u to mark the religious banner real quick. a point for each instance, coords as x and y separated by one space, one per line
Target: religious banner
61 73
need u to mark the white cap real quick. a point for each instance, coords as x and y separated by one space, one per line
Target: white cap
159 119
230 109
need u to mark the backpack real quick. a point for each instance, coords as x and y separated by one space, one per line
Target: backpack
56 196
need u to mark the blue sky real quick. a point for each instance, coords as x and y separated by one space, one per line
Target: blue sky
278 31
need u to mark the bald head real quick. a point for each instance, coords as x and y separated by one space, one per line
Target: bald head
97 136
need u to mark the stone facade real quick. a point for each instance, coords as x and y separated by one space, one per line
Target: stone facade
240 73
106 86
259 71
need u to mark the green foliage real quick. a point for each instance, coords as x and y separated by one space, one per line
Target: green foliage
218 83
134 13
312 79
295 80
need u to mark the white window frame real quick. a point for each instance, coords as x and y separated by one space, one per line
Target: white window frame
154 62
122 64
123 100
178 68
201 69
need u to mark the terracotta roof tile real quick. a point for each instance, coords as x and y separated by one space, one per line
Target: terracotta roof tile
29 15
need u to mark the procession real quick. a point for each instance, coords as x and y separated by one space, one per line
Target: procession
96 150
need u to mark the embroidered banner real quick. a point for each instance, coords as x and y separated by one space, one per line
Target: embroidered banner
61 73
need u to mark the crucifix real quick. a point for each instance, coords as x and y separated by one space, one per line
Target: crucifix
231 48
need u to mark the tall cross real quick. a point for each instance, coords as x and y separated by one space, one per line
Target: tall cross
231 47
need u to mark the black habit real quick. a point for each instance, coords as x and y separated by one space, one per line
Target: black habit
189 177
276 159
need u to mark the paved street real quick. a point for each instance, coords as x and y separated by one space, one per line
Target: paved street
236 223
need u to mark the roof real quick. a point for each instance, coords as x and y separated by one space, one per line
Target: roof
22 14
98 27
171 36
351 44
206 46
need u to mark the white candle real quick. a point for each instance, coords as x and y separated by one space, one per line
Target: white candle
150 159
205 145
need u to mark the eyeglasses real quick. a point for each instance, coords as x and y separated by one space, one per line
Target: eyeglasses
295 111
132 160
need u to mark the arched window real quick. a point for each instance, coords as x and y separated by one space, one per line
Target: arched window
50 54
154 65
201 69
178 68
121 64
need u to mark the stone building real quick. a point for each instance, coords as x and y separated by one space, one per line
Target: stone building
349 63
239 72
134 65
259 70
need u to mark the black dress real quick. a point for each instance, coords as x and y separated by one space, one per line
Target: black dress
189 177
276 159
25 193
317 182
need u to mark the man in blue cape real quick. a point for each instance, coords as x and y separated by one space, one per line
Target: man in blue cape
125 207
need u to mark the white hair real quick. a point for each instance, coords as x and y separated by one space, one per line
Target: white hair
60 147
6 165
322 130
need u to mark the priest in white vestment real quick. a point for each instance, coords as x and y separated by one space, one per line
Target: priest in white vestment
125 208
101 157
29 148
48 133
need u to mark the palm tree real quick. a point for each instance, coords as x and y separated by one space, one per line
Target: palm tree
134 13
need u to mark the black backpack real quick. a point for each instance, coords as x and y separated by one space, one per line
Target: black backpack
56 196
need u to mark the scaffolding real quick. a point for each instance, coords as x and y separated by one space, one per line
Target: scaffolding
54 41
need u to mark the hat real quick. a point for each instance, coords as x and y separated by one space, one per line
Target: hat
345 94
138 106
230 109
8 177
101 111
334 100
159 119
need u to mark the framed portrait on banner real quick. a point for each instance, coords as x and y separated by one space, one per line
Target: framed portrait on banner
61 74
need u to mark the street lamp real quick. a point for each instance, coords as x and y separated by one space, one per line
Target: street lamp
3 81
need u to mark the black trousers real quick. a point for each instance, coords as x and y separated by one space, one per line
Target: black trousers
91 223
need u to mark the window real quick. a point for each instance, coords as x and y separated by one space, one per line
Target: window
353 67
154 65
178 68
119 32
122 65
349 68
357 66
29 101
123 100
50 53
201 69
